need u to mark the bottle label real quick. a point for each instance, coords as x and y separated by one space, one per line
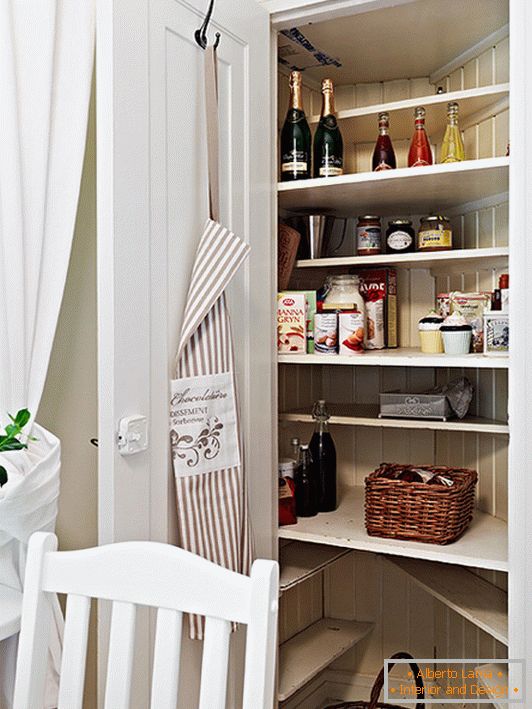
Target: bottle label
295 116
369 238
420 163
285 491
330 171
331 166
382 166
295 161
435 238
399 240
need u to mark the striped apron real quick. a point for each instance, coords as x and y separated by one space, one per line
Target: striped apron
212 511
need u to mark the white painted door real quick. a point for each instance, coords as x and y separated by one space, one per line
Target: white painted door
152 205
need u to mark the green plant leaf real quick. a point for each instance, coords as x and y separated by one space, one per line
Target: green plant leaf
3 476
12 430
12 445
22 418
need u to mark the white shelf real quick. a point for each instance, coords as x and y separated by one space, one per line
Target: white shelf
305 655
475 599
456 260
10 611
300 561
400 357
420 190
360 123
367 415
484 545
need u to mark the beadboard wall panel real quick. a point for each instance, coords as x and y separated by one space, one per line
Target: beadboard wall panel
361 585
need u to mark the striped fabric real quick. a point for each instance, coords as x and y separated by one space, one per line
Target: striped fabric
212 507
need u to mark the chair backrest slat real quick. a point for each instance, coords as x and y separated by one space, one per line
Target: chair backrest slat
173 581
166 659
215 664
121 654
74 658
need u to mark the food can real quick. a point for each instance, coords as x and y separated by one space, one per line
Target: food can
326 333
496 333
351 331
443 304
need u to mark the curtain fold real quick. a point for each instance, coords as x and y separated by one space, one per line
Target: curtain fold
46 60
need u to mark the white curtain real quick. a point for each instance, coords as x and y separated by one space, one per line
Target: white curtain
46 59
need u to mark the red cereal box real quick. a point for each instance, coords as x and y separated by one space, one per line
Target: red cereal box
379 290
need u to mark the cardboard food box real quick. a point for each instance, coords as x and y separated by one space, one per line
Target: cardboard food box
291 323
379 290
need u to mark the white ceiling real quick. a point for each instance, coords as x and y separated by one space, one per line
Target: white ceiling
400 42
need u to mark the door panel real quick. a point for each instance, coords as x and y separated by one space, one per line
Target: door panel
152 201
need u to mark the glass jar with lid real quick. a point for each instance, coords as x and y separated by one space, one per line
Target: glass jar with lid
435 234
369 236
344 294
400 237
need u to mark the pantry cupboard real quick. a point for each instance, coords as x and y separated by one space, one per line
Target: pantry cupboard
347 600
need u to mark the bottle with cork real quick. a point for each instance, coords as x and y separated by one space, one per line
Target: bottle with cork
328 142
295 135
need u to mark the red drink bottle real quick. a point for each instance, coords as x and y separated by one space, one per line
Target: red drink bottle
420 153
383 155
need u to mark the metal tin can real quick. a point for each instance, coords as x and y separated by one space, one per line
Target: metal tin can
351 331
326 333
443 304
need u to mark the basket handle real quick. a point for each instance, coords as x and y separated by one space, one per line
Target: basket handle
379 682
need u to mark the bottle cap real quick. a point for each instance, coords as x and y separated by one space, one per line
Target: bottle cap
327 85
294 442
304 447
452 108
420 112
295 78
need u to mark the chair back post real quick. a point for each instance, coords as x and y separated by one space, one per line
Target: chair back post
36 624
261 640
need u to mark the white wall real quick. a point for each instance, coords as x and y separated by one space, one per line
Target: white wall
69 403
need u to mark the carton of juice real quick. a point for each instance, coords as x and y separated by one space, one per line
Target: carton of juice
291 323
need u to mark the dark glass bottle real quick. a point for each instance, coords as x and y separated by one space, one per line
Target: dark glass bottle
420 153
323 454
384 154
307 486
295 136
328 143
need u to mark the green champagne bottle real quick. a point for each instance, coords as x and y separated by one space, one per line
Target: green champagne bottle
295 136
328 143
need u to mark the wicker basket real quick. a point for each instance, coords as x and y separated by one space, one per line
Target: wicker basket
379 684
418 512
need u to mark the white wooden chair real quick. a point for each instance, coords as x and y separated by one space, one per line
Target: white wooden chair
145 574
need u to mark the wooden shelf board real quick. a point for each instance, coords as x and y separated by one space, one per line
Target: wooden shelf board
475 599
367 415
308 653
10 611
391 192
484 545
400 357
300 561
457 259
360 123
